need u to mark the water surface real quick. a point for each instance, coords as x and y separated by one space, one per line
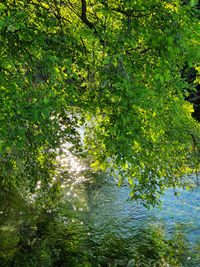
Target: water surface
92 224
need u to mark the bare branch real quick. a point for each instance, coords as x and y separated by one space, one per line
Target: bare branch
194 99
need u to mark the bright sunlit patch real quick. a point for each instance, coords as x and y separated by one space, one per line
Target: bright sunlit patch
71 165
38 185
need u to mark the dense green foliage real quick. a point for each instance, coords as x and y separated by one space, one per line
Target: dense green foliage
115 66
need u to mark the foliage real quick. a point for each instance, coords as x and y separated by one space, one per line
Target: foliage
114 67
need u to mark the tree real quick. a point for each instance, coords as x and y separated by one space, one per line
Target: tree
114 66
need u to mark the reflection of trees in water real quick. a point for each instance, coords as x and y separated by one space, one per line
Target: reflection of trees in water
36 238
55 237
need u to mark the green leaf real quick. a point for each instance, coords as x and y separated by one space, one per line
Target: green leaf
167 76
157 76
95 165
193 3
2 24
2 6
106 60
126 165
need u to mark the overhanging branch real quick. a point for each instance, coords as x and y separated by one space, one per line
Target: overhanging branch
84 16
194 99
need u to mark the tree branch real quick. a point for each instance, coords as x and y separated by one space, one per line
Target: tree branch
84 16
194 99
129 14
139 13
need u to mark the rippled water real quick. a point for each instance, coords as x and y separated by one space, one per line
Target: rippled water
105 202
183 211
94 225
101 205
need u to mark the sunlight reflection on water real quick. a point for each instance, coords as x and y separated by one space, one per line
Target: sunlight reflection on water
103 205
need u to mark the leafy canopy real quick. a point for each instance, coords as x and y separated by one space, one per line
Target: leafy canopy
114 66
